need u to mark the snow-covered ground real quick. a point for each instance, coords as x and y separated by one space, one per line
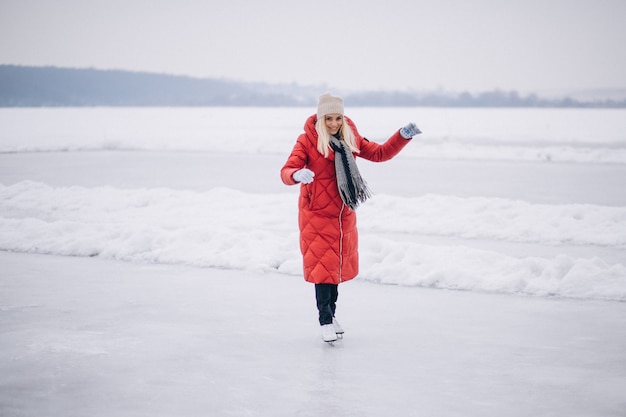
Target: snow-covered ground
179 290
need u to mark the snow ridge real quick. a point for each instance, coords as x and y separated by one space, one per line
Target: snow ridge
232 229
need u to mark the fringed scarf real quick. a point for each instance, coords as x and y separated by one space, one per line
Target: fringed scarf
352 187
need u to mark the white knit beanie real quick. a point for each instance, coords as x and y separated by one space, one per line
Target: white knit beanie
328 104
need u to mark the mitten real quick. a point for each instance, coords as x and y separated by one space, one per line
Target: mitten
304 176
409 131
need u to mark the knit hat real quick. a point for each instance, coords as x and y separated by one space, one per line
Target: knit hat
328 104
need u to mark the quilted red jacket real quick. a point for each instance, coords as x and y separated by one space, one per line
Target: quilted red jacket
328 232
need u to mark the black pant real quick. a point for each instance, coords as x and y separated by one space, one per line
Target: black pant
326 296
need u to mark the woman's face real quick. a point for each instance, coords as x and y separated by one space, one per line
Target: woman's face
333 122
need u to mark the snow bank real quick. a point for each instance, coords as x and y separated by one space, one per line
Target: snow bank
226 228
496 218
462 150
462 268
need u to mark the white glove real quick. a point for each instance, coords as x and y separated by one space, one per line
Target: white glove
304 176
409 131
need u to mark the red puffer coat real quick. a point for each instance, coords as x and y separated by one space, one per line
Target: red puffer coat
328 232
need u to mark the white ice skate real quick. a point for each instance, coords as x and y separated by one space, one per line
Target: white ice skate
328 333
338 328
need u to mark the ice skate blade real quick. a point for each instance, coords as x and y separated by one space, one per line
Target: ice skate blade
330 342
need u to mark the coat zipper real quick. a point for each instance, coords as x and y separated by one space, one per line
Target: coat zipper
341 242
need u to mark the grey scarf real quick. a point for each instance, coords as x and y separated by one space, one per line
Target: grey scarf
352 188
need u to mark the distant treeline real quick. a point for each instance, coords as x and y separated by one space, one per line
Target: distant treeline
22 86
495 98
51 86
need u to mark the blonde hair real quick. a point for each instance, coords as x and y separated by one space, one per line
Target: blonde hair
323 137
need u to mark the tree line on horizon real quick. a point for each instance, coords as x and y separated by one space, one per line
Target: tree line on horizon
24 86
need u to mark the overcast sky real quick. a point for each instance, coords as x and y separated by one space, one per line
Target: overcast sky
474 45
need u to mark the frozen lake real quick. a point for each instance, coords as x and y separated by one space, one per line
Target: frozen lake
150 266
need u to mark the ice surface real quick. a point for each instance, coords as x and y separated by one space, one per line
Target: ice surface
89 337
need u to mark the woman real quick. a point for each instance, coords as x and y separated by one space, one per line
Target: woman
323 162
